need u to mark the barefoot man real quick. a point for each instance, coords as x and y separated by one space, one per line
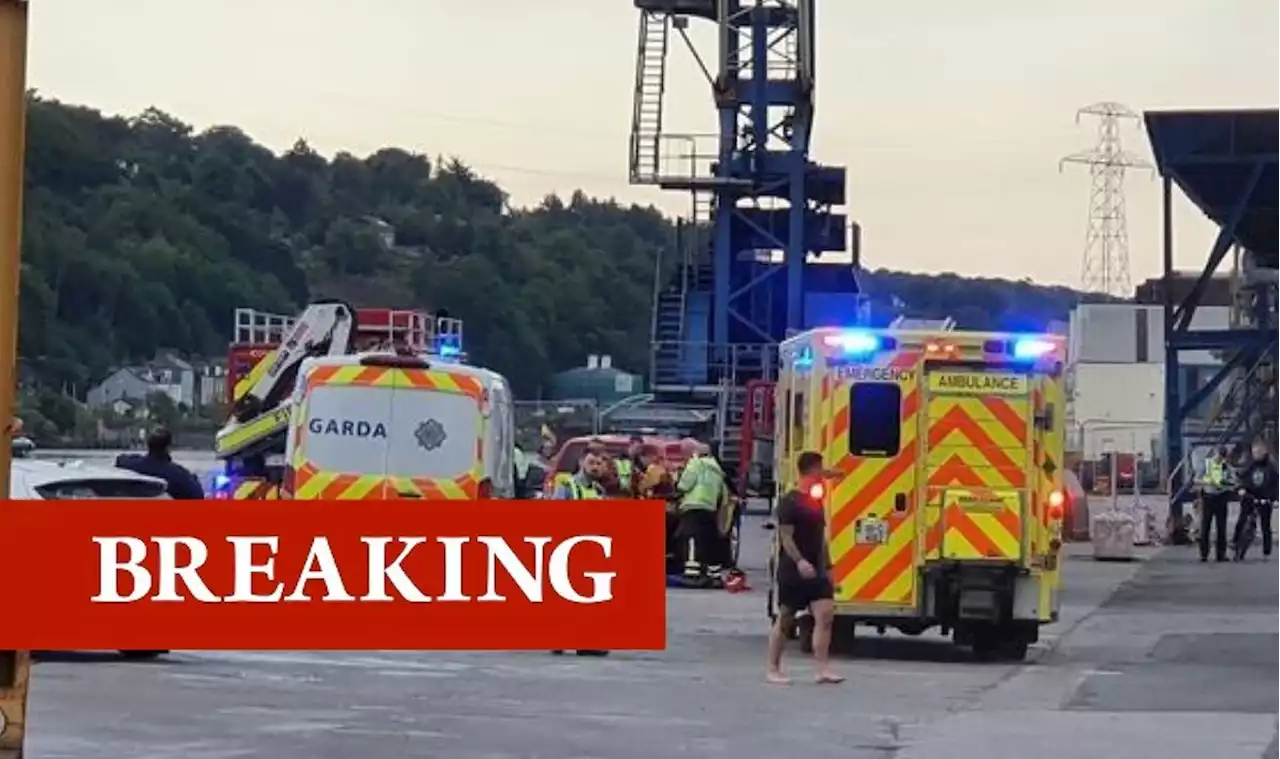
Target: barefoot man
803 571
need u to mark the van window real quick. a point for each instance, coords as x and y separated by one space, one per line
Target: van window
875 419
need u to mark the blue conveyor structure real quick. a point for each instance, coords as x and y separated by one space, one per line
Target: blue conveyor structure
750 266
1225 162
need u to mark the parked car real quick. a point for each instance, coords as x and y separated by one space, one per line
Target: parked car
64 480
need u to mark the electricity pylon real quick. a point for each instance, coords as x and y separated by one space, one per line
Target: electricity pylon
1105 266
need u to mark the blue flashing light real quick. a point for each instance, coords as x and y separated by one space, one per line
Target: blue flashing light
221 481
853 342
1031 348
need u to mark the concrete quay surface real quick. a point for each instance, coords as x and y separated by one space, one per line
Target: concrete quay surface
1163 657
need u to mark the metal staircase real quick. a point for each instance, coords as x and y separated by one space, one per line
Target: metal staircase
651 83
668 333
1245 412
730 422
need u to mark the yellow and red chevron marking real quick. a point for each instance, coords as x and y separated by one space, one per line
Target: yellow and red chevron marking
872 573
387 376
310 483
977 452
251 490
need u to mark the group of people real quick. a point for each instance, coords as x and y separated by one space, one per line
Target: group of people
1253 484
701 503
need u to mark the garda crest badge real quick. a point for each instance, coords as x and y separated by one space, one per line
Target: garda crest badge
430 435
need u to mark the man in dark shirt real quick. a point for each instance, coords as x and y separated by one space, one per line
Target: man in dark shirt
1258 485
159 464
803 570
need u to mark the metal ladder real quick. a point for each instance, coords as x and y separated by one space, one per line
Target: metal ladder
651 84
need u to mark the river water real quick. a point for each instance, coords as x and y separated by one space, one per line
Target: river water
199 462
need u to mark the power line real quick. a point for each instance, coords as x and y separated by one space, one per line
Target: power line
1105 264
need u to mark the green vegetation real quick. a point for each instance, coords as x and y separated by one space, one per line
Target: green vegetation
142 234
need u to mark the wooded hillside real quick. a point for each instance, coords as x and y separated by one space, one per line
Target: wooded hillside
142 234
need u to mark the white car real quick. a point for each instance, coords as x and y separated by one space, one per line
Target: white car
55 480
38 478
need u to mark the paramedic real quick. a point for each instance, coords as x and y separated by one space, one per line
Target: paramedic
803 571
1258 485
584 485
158 463
699 491
1215 496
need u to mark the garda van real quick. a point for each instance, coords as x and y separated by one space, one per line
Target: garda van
389 425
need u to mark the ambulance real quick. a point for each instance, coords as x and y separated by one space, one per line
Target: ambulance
391 425
946 503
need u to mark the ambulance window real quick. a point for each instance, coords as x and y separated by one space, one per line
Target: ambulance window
797 419
875 419
785 421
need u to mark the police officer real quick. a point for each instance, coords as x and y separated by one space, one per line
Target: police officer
158 463
1215 495
700 488
584 485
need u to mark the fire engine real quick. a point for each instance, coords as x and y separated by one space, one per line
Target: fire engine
946 505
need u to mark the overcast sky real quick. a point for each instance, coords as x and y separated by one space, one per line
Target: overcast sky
951 116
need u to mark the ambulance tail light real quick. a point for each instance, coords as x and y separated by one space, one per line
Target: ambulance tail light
396 361
485 490
940 350
1057 505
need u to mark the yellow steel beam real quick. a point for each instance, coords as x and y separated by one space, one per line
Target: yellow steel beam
15 666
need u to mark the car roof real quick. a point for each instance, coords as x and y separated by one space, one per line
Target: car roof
28 474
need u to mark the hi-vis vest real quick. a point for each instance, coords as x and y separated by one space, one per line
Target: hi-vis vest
582 492
624 469
1215 473
705 493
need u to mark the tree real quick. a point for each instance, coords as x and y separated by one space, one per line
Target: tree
142 234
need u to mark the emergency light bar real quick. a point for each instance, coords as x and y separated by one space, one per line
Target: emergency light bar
856 342
1030 347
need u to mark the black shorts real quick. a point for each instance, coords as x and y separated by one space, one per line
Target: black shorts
798 594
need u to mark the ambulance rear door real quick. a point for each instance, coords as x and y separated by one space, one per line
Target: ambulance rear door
977 455
868 408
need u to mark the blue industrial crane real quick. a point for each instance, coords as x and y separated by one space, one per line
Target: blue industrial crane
1227 164
751 263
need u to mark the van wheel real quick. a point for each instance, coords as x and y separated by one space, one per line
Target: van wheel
142 655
